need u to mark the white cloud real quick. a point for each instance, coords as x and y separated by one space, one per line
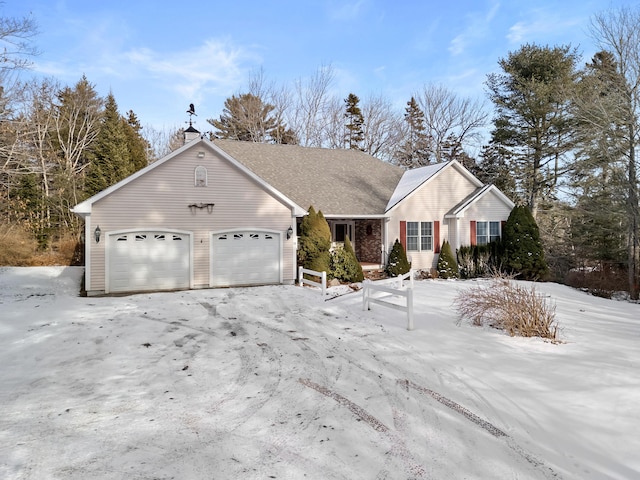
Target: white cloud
344 11
542 24
213 66
477 28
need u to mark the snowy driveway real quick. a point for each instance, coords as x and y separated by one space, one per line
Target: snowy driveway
271 382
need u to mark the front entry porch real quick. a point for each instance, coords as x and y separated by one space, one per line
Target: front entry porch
366 238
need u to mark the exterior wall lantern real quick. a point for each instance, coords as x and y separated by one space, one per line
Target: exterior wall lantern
96 234
289 232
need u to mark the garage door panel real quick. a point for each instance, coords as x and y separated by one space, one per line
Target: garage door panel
148 260
245 258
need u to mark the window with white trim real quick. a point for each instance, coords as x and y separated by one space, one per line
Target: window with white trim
419 236
200 176
487 232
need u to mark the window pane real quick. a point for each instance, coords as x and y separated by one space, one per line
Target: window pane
426 236
494 231
482 237
412 236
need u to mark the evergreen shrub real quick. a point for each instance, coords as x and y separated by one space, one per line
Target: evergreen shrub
397 264
446 266
523 252
344 264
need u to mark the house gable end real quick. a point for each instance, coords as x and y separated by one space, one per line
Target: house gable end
414 180
458 210
84 208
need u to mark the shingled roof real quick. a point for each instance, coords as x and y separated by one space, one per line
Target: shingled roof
338 182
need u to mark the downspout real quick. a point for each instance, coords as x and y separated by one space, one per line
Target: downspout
294 240
87 253
385 233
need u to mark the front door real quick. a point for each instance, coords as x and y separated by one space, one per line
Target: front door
340 230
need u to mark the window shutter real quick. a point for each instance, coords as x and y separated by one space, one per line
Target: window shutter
502 224
472 229
436 236
403 234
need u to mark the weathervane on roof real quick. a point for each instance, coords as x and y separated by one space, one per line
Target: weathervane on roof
191 112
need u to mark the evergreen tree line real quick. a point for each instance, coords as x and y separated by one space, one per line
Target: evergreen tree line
60 145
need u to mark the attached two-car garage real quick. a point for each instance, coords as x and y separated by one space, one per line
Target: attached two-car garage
147 260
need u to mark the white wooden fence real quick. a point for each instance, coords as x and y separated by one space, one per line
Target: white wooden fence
387 286
304 281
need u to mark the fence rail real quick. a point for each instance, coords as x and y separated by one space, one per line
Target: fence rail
322 284
369 288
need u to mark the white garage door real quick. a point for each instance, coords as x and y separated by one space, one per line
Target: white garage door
148 260
245 258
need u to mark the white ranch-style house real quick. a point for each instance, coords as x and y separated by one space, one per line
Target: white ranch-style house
226 213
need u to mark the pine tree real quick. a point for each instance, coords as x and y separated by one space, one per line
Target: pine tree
523 252
415 151
354 135
533 122
137 145
493 168
397 264
248 118
110 159
446 266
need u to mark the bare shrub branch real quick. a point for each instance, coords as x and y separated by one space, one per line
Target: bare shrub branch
516 309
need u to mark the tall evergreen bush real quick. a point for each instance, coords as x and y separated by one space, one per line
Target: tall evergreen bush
315 242
523 252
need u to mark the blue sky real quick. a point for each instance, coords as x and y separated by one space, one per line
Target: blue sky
159 56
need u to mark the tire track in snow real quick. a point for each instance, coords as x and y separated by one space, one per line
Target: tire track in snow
488 426
398 448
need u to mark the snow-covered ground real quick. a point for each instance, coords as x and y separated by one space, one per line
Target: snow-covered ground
273 382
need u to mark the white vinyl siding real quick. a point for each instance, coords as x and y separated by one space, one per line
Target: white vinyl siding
430 201
160 199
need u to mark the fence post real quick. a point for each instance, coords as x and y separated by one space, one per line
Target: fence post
301 283
324 283
411 272
410 309
365 296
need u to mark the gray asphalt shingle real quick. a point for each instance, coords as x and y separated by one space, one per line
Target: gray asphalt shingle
336 181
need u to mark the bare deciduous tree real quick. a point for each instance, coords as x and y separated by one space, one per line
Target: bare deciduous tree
313 108
382 127
448 116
